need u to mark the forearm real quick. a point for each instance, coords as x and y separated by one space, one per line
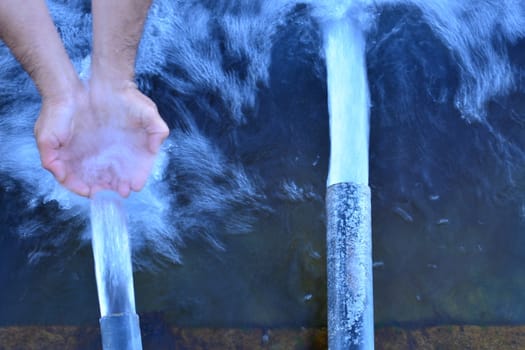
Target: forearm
117 29
28 30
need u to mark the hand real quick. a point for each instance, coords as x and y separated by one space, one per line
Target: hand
104 136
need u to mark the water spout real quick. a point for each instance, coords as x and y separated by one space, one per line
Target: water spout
119 322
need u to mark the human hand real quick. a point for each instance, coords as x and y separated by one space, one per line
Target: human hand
103 136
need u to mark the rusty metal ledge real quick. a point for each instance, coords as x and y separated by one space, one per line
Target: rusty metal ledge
160 337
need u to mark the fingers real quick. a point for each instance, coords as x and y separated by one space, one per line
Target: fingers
141 174
152 122
76 185
49 157
155 141
157 132
107 179
124 188
49 148
121 186
69 181
138 183
52 133
57 168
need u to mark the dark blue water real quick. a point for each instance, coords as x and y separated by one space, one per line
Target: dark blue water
235 235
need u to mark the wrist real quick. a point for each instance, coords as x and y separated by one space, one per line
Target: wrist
68 94
104 91
117 30
111 68
61 88
106 83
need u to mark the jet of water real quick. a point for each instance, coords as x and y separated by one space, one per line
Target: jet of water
113 271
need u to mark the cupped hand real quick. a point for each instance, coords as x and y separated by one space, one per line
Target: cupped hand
102 136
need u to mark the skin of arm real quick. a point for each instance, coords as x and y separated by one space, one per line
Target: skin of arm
28 30
99 135
117 30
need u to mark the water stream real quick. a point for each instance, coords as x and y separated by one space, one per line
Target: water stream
113 269
112 255
348 101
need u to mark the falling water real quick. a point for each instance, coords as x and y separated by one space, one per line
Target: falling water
348 102
113 269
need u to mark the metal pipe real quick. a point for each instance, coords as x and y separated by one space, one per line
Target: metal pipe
120 332
349 267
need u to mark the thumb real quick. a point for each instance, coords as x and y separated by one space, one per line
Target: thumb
49 148
155 127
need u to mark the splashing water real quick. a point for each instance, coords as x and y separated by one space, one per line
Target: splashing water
477 34
208 77
209 72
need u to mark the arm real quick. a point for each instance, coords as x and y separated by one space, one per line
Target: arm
27 29
117 29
